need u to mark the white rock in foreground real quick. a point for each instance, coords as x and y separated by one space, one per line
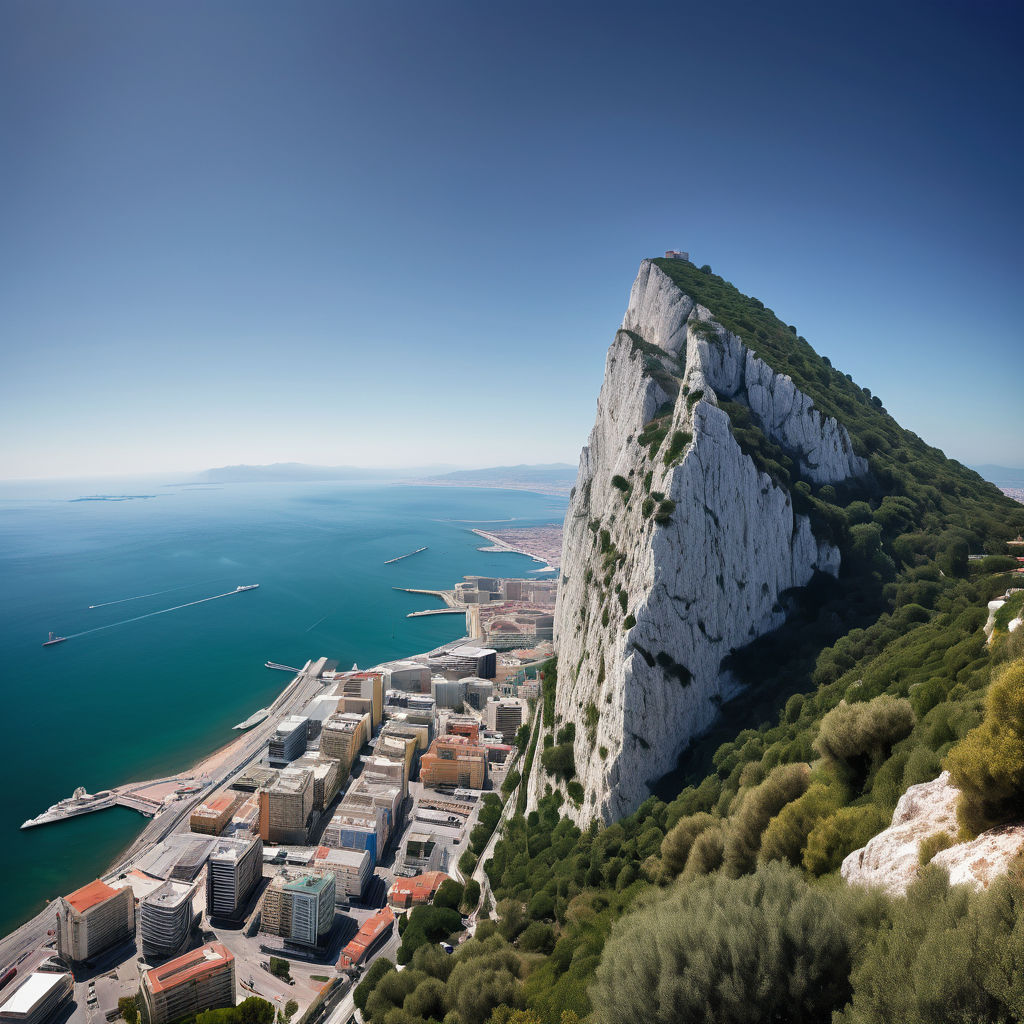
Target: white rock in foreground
890 859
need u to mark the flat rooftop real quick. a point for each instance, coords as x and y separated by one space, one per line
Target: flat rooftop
189 967
35 987
169 895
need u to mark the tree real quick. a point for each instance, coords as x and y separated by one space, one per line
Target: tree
449 894
471 896
128 1009
377 970
289 1009
988 764
678 841
279 967
766 946
522 736
858 737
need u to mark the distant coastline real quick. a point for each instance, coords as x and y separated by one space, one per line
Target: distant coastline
541 543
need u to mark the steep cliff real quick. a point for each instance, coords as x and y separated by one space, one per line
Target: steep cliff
682 538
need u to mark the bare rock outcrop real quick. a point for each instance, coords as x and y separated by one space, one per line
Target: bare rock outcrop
677 549
891 859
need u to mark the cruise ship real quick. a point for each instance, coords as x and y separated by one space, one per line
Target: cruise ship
251 586
80 803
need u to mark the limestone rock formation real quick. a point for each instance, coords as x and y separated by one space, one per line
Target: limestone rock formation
677 549
891 859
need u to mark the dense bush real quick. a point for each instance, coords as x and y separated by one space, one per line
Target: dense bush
767 946
427 924
988 764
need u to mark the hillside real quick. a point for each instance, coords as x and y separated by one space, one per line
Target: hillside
866 671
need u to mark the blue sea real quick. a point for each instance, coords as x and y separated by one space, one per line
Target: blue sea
152 696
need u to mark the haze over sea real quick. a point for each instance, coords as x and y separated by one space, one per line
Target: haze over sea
152 697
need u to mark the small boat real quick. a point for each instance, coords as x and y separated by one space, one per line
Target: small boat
251 586
54 639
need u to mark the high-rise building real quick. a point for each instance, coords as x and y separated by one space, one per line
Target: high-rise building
94 918
165 919
505 717
364 684
343 736
289 740
234 870
454 761
326 778
300 910
447 693
202 979
286 808
38 998
352 870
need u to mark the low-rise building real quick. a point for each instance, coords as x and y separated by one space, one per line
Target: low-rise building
371 934
202 979
94 918
463 725
38 998
407 893
422 853
352 870
211 816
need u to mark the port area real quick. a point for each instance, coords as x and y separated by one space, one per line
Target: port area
148 798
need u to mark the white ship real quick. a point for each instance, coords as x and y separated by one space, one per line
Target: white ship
251 586
80 803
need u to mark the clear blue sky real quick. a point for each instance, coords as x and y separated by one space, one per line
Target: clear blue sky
400 233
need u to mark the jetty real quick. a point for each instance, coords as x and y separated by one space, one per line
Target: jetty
437 611
254 719
282 668
390 561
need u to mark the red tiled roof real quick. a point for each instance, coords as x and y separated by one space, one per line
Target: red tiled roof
192 965
368 934
90 895
409 891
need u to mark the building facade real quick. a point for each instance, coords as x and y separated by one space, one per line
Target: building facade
202 979
233 872
165 920
38 998
94 918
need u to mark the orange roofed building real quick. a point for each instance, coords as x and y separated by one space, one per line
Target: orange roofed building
94 918
202 979
211 817
369 936
414 892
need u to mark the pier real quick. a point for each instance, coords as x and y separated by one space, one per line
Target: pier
254 719
436 611
398 558
282 668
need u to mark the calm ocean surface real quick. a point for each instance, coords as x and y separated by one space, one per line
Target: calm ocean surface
153 696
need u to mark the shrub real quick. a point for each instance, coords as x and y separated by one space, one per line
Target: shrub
786 835
758 807
768 946
471 896
467 863
559 761
449 894
427 924
537 938
987 766
858 736
927 848
840 834
679 840
575 791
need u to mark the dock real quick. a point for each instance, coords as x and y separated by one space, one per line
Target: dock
254 719
391 561
282 668
437 611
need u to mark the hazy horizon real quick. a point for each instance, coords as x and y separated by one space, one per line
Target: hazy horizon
339 234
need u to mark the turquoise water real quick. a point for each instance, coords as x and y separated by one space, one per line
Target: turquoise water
152 696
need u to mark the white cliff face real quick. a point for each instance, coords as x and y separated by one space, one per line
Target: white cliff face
693 542
891 859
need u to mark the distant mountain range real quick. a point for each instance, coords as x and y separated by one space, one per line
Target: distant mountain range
1001 476
300 471
551 478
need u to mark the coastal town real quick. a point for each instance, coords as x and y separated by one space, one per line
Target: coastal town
279 866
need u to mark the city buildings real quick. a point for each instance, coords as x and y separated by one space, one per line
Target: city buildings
462 725
326 778
466 660
447 693
505 717
289 740
211 816
407 893
366 685
94 918
343 736
478 691
369 937
411 676
165 920
299 910
38 998
234 870
422 853
454 761
352 870
202 979
286 807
